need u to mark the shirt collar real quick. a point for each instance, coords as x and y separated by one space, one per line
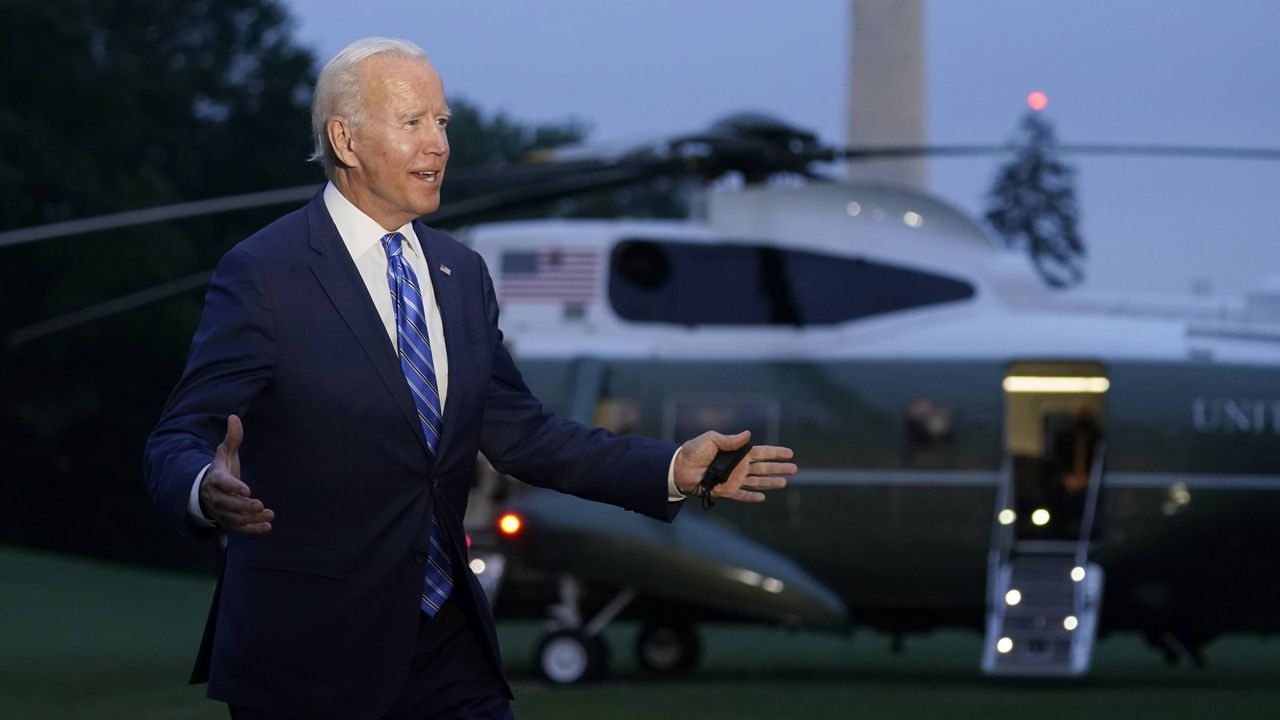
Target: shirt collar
358 231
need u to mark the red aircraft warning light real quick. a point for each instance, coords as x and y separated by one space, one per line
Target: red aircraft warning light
1037 101
509 524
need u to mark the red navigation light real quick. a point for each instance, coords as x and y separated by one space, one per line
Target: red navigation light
1037 101
509 524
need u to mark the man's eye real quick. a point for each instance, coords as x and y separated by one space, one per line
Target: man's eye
442 122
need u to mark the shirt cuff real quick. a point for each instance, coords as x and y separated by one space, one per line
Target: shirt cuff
196 515
673 492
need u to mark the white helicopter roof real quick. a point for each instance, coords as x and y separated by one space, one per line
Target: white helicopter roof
852 217
1009 313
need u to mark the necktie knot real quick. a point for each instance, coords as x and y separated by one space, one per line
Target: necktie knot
393 244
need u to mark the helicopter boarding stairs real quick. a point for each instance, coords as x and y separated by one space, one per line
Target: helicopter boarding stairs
1043 596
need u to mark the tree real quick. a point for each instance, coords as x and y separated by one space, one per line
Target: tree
113 105
121 104
1033 205
477 140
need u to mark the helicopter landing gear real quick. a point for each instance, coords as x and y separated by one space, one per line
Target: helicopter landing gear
1177 648
567 656
573 651
668 647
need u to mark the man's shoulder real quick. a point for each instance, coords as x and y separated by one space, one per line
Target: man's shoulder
449 250
279 241
439 239
287 232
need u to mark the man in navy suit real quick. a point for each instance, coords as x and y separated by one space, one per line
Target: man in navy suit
298 429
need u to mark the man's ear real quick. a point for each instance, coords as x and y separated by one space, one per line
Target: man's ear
342 141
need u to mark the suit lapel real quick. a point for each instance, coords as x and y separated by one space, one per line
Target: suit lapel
334 269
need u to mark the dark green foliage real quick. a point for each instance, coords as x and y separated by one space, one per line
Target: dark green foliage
112 105
127 104
479 141
1033 205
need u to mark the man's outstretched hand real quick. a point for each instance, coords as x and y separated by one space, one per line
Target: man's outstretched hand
764 468
223 498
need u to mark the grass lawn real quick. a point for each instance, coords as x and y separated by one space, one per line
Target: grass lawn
82 639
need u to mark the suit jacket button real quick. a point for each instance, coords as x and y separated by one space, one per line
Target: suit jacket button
420 557
435 482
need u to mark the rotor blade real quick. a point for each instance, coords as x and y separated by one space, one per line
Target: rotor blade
129 218
1172 151
108 308
899 151
610 177
548 180
818 177
553 180
1175 151
458 211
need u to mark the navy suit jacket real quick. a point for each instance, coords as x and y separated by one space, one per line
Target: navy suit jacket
318 618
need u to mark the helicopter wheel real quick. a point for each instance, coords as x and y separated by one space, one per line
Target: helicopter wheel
667 648
569 656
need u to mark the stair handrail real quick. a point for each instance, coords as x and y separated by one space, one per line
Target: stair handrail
1091 504
1001 535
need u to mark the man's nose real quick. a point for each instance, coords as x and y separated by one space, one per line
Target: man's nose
437 142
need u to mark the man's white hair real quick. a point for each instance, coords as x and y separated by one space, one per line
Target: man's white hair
338 90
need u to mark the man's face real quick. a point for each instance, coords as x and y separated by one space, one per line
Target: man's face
401 148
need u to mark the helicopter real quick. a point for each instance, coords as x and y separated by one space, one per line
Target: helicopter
977 450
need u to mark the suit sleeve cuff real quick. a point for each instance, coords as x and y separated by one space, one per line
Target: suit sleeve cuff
673 492
196 516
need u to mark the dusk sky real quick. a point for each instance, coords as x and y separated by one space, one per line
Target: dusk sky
1144 71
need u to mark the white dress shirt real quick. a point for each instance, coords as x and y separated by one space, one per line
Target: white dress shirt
363 238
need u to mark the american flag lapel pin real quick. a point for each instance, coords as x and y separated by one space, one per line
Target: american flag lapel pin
445 269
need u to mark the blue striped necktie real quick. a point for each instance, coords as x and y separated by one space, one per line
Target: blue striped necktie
420 372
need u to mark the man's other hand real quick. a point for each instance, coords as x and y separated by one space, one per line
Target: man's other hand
223 498
763 468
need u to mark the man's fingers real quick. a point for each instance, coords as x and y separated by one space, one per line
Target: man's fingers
234 504
771 468
235 435
258 528
752 486
753 482
237 520
228 501
220 481
262 516
221 491
730 442
227 457
250 525
763 468
740 494
762 453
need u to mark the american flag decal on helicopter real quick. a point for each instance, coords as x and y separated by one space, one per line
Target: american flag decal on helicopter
550 275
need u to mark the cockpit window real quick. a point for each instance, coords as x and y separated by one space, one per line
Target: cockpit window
684 283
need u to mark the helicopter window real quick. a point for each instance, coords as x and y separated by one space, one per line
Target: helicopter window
642 264
737 284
